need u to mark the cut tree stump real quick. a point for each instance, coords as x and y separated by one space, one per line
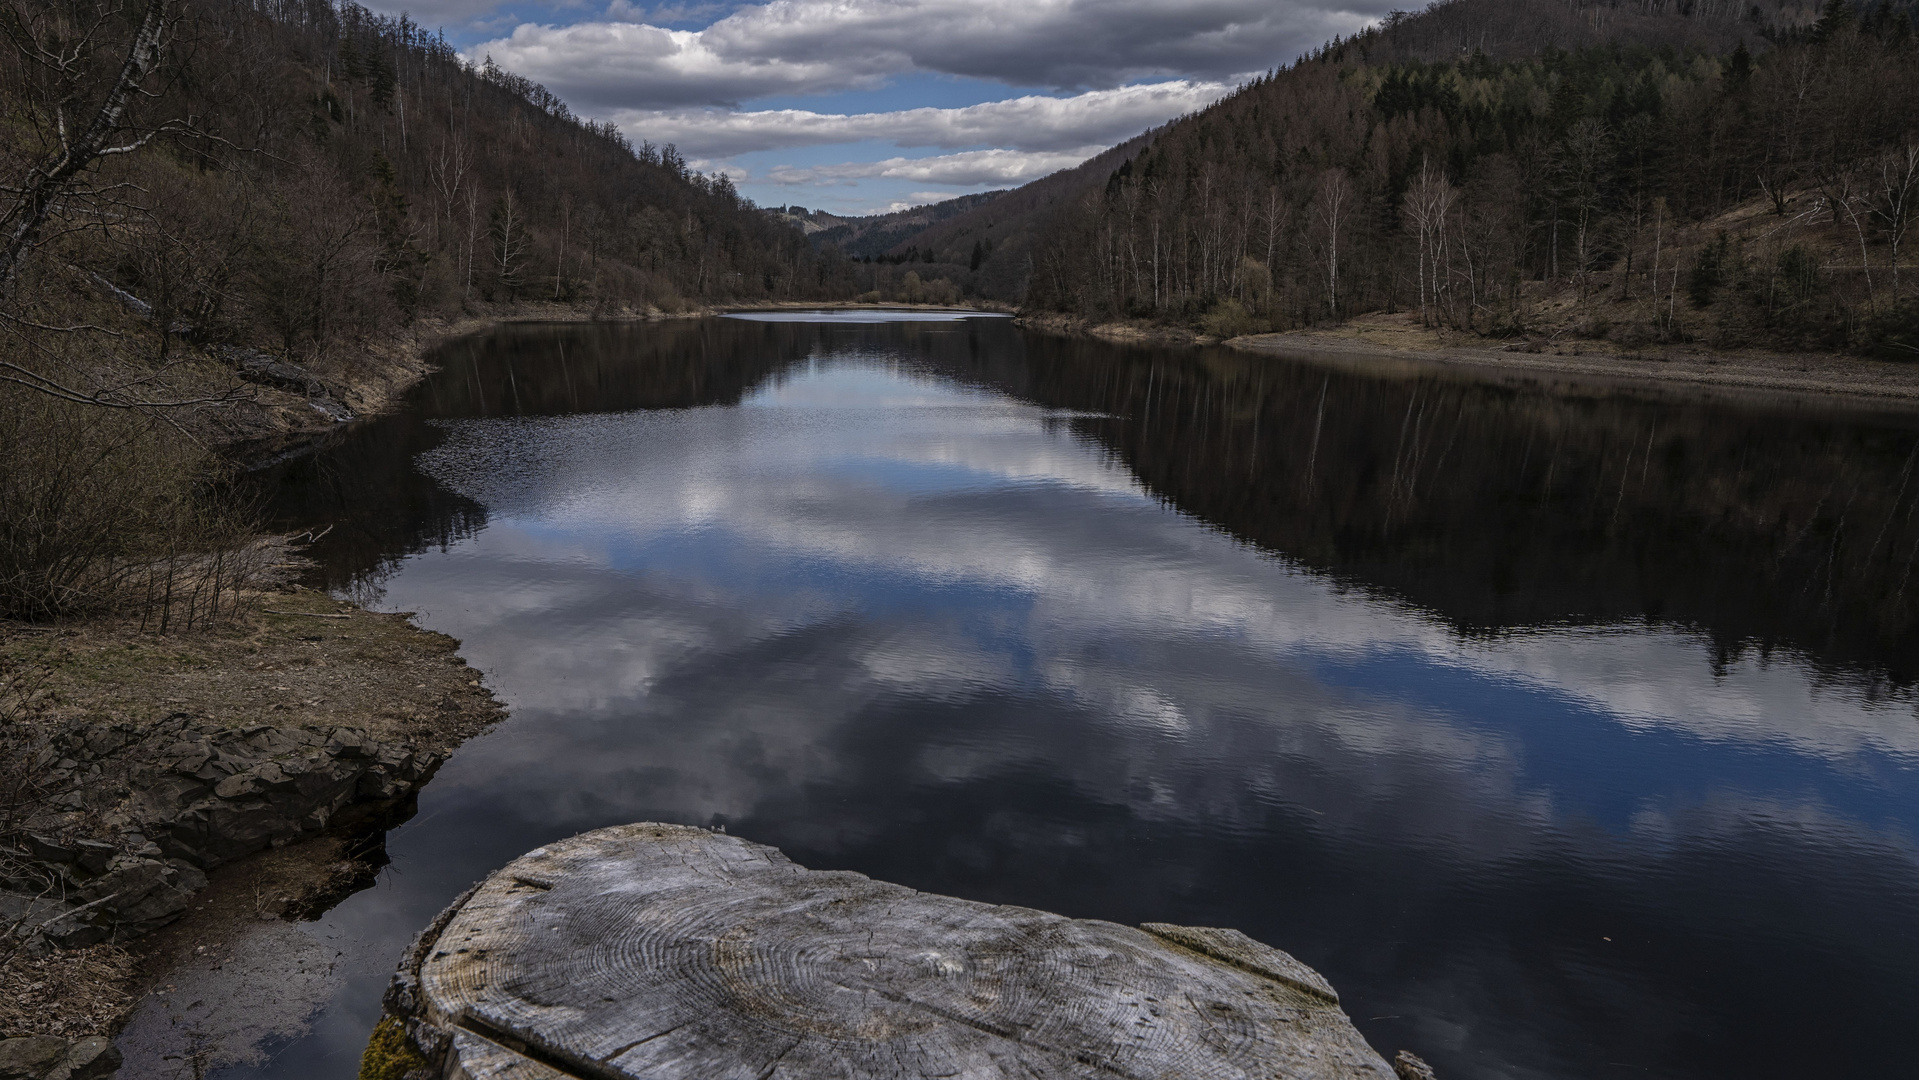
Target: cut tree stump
660 952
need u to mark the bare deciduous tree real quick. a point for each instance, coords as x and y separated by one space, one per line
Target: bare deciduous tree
1894 196
1331 206
1428 204
59 52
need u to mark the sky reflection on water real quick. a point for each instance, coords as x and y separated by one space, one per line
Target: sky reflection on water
912 626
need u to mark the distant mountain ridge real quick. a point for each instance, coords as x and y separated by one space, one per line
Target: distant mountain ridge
979 242
876 235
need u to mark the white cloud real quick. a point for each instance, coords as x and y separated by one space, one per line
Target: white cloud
1119 66
1031 123
1157 580
612 63
971 168
812 46
1065 44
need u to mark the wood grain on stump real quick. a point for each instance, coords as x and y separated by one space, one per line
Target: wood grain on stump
658 952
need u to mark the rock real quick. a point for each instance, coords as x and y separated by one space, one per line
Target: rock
258 367
1409 1066
92 856
1239 950
665 952
35 1057
200 794
49 850
348 743
92 1058
237 786
145 893
43 1057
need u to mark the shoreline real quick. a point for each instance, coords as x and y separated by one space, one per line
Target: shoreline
207 791
137 910
1372 343
387 370
1810 378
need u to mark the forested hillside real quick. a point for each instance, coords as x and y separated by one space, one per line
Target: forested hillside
222 220
975 246
1740 177
299 175
875 236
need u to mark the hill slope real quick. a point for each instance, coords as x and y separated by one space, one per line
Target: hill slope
1745 179
310 176
880 234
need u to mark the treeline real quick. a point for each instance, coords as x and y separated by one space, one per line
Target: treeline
1757 195
1499 507
880 235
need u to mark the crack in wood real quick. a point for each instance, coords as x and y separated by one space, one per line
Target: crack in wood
607 1059
560 1061
1010 1035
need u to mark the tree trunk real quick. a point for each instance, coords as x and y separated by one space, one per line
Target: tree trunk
664 952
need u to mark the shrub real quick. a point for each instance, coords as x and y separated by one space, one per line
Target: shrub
1708 273
1894 335
1230 319
102 508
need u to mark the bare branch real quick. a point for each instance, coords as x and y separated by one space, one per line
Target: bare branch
49 181
109 398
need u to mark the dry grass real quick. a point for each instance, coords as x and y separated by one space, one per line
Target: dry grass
299 658
1369 339
70 994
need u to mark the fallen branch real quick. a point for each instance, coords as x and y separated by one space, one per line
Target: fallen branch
308 614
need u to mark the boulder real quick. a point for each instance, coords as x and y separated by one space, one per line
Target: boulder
43 1057
92 1058
34 1057
206 794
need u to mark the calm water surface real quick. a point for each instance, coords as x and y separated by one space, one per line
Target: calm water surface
1571 734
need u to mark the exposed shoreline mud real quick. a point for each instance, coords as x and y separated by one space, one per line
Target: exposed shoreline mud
1810 376
1373 342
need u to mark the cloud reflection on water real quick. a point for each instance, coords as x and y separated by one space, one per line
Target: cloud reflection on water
1069 531
893 623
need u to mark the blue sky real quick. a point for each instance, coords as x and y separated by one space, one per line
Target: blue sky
860 106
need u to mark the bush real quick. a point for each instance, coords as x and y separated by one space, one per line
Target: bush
1894 335
103 508
1230 319
1708 273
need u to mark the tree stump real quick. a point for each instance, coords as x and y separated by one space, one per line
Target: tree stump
656 952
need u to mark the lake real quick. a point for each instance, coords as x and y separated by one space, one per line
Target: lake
1569 731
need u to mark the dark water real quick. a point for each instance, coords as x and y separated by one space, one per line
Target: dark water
1571 734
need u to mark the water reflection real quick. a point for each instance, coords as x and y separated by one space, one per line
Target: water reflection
1550 772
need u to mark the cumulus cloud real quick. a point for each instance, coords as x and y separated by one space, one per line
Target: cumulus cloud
1111 69
1031 123
620 63
971 168
813 46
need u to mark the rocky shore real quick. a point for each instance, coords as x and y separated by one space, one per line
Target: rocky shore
1398 342
163 763
184 797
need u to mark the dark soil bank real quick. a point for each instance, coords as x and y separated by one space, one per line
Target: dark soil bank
268 755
